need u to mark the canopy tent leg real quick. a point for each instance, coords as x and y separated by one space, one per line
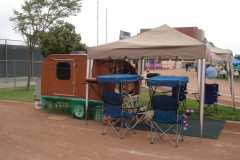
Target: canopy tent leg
202 95
199 73
87 88
139 69
143 66
231 82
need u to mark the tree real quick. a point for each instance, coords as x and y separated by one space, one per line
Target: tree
61 38
37 16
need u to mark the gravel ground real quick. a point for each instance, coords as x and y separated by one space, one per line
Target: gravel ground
29 134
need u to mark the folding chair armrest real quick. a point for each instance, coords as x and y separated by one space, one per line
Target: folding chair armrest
195 93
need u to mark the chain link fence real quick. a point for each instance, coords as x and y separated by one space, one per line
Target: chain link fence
14 63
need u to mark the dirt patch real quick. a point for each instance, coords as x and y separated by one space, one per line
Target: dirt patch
27 134
57 117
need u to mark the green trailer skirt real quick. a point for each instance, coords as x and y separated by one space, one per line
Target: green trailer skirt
74 106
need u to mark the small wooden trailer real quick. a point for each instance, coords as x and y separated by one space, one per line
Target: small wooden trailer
63 81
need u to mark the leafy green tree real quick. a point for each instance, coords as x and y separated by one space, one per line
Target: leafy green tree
37 16
61 38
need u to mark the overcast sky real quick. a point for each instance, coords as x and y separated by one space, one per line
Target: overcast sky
218 18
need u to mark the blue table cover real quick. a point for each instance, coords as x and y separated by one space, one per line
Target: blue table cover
118 78
170 81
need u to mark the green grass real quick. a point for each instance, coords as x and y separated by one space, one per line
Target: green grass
17 94
223 113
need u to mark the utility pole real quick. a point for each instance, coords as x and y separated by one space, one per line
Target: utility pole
106 26
97 22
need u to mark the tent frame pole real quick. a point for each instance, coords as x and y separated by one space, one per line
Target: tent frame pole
142 66
139 69
231 81
199 65
202 95
87 88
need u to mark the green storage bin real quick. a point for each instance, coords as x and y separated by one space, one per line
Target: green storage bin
98 113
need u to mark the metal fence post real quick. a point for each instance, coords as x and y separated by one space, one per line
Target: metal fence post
32 63
6 61
13 62
15 75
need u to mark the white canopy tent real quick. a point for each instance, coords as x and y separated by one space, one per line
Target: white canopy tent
161 41
164 42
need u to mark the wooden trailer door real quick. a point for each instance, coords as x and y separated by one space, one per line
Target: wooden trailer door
65 77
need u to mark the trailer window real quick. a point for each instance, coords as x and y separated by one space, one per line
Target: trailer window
63 71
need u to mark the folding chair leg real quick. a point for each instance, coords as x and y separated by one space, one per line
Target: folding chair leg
115 131
179 136
131 128
111 125
182 134
178 131
152 132
177 139
105 129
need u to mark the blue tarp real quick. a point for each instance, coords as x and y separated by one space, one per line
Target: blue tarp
236 61
118 78
171 81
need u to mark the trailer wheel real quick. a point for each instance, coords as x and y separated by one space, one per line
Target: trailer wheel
78 111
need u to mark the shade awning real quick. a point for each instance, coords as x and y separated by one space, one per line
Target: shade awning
162 41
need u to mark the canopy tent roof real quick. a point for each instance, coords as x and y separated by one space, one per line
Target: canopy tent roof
162 41
219 53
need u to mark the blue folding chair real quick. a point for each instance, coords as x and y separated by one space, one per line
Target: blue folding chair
115 108
166 119
116 117
211 96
